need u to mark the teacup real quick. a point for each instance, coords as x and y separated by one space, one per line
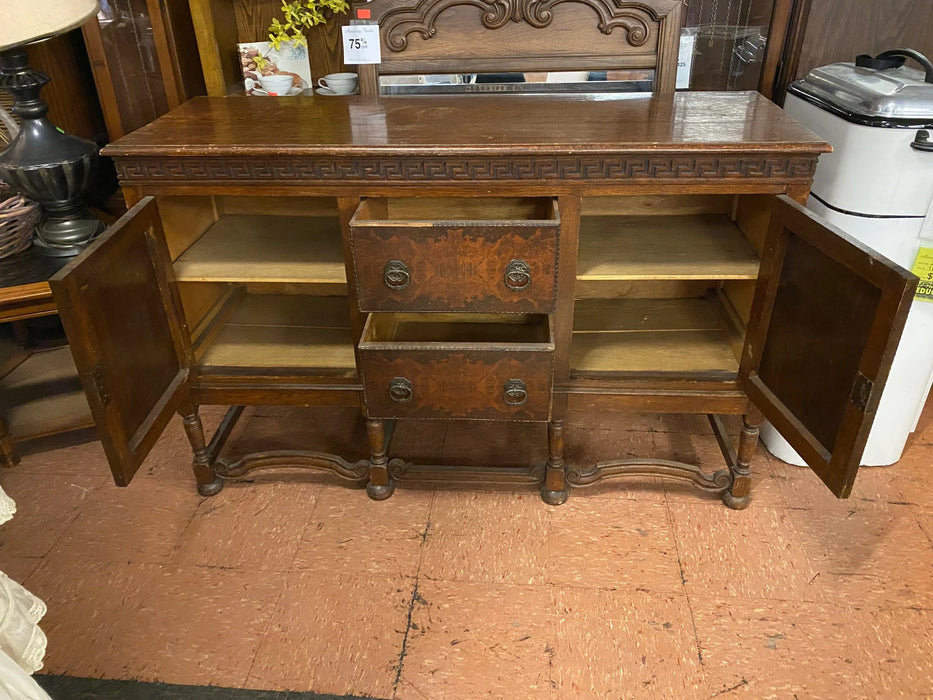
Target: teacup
276 84
341 83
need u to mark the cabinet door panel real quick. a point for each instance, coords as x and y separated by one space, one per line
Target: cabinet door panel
826 320
119 305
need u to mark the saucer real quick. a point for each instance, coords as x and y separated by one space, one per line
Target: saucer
328 91
291 93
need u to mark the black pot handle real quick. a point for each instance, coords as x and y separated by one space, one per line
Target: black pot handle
895 59
922 142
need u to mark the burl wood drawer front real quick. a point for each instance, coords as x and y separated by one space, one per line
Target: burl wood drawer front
500 378
495 255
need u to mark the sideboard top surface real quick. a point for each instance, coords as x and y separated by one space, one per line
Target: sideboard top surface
685 122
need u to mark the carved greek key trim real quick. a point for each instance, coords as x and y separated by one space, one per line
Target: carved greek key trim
635 18
589 168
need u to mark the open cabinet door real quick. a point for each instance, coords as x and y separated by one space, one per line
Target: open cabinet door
121 313
826 320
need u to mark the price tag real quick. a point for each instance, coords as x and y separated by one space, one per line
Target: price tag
688 40
923 268
361 44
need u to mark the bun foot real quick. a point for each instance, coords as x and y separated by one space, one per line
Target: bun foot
380 492
554 498
735 502
212 488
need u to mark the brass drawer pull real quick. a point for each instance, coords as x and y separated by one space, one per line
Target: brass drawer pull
400 390
517 275
515 393
395 274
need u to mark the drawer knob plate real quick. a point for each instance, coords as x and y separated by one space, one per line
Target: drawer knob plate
396 275
400 390
514 392
517 275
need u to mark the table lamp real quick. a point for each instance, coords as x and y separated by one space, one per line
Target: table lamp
42 162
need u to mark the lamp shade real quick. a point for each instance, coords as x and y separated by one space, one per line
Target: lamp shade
25 21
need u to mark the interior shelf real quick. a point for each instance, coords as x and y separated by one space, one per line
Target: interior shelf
653 337
279 249
688 247
43 395
283 332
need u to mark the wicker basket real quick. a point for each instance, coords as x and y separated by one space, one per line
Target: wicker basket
18 219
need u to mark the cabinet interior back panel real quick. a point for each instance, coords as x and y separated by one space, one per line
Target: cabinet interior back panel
43 395
700 246
287 331
288 249
683 337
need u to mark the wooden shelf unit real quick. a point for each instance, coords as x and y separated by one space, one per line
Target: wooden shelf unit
266 249
43 396
263 284
653 284
653 338
40 392
684 247
285 332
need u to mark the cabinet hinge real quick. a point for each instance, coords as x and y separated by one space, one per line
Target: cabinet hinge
100 384
861 391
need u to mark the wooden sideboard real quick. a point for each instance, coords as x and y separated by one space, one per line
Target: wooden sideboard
495 258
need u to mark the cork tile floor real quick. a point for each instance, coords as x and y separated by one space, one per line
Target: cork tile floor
634 589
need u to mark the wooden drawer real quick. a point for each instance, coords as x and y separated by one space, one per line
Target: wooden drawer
494 255
466 366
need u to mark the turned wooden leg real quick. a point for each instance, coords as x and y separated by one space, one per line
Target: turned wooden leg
554 491
8 456
209 484
738 495
380 485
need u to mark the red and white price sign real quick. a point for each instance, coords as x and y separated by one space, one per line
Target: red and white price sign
361 44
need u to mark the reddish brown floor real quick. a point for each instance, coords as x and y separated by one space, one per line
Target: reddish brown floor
633 589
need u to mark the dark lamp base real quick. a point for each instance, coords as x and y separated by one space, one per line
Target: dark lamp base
67 237
45 164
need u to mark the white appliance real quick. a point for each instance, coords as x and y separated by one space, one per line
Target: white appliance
877 186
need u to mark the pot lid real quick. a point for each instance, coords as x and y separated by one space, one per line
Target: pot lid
892 96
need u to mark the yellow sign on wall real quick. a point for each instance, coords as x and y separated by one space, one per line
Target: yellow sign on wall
923 268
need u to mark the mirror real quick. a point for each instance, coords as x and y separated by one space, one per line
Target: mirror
532 83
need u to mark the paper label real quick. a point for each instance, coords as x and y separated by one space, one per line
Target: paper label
923 268
361 44
688 40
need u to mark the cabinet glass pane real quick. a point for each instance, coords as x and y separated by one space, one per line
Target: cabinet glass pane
731 36
132 61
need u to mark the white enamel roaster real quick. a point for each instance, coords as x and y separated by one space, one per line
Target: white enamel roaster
877 186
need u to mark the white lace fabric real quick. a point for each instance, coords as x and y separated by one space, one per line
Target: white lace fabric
7 507
20 636
22 643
